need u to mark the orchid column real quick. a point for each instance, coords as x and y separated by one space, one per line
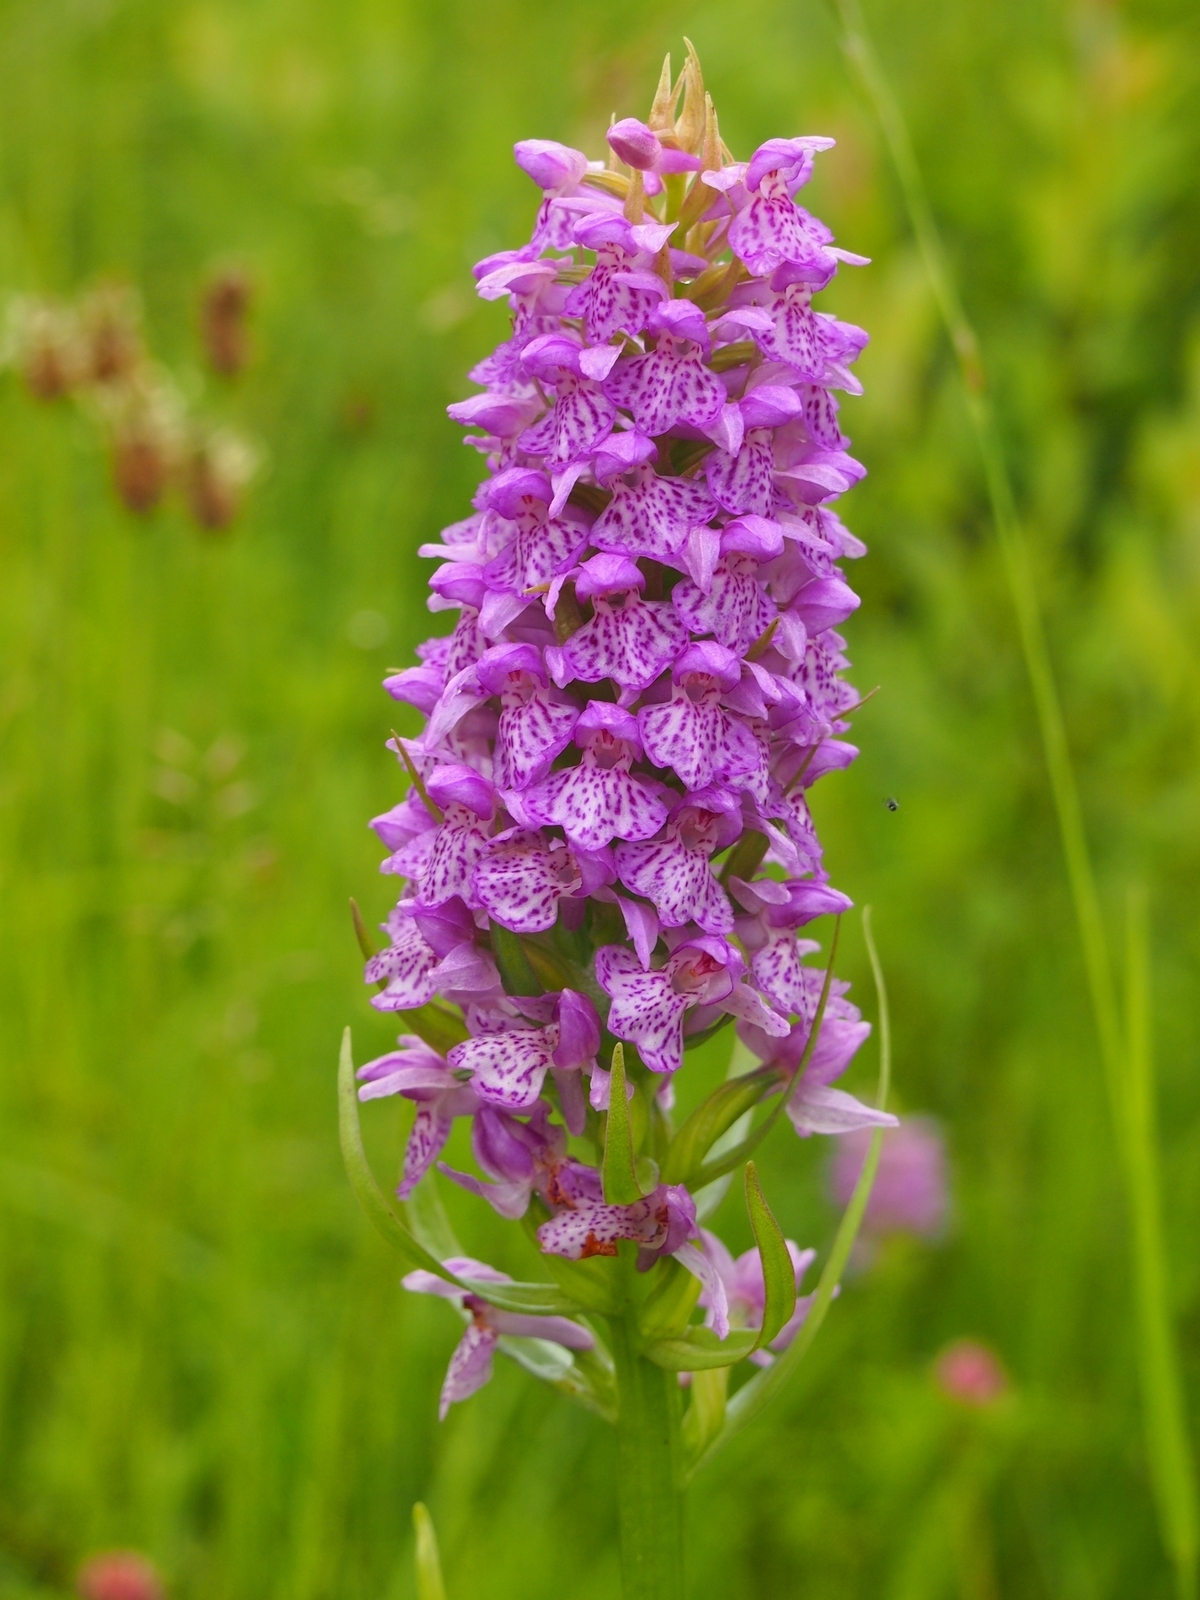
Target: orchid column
606 851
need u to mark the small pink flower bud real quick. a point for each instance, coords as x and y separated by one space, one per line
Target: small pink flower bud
967 1371
636 144
118 1575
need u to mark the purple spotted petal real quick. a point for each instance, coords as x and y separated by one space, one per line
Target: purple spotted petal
430 1130
679 882
736 611
700 742
520 881
581 419
593 805
593 1228
459 843
540 551
742 483
652 516
667 387
632 644
508 1068
646 1010
615 299
528 739
470 1366
407 966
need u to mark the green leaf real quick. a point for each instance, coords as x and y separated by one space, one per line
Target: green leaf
779 1276
620 1179
711 1118
700 1349
534 1299
516 974
429 1567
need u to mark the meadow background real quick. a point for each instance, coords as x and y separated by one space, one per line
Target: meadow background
204 1351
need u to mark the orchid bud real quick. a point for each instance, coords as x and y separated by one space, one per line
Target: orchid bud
636 144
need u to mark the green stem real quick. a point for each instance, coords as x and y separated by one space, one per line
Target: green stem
649 1462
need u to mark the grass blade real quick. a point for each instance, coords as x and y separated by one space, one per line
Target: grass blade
1172 1466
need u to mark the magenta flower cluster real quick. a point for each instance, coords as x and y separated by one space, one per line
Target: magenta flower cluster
607 834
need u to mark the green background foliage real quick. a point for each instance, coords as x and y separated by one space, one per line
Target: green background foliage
204 1351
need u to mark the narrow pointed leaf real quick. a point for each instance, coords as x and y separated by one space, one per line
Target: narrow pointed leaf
620 1180
779 1276
705 1417
429 1566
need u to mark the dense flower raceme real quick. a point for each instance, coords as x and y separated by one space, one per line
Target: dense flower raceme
607 835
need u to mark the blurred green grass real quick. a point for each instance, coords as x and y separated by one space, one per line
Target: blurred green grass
203 1351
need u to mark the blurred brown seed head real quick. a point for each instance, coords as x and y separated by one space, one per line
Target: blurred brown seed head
110 318
43 341
215 474
144 419
118 1575
224 311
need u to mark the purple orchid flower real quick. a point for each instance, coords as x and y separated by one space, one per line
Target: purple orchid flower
508 1068
674 874
629 640
648 1008
692 734
471 1364
420 1074
600 799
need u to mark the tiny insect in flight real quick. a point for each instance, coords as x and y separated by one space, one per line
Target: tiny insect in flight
892 805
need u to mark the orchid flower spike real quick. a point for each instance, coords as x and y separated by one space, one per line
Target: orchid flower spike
606 854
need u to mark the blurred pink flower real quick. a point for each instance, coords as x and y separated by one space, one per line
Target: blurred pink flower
118 1575
911 1193
969 1372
